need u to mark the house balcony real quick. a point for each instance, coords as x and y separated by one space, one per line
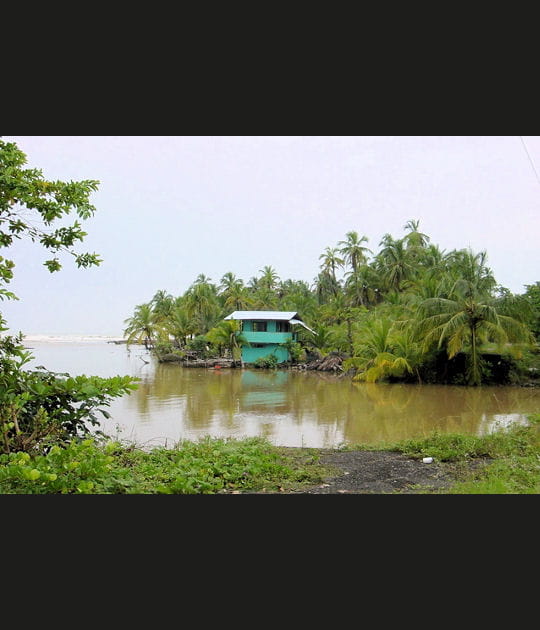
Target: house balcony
267 337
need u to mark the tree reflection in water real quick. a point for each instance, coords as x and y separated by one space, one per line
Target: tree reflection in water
315 409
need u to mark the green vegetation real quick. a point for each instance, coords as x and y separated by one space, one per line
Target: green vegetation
512 456
39 408
268 362
207 467
509 461
409 312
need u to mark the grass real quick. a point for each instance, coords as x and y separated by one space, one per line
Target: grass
215 466
512 457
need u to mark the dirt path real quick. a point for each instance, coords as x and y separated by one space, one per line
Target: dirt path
383 472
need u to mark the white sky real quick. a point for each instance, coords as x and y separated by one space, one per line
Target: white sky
172 207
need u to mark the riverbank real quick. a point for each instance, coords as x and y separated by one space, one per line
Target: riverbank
503 462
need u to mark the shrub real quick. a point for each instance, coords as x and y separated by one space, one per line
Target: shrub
268 362
38 407
199 344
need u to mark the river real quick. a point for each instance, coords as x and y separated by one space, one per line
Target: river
288 407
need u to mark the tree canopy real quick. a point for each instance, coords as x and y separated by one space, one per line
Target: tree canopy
33 207
392 311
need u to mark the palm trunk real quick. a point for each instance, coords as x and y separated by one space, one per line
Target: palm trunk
475 372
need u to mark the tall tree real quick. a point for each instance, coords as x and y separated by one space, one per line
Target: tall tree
354 253
415 239
464 322
229 281
162 304
471 271
233 294
179 325
327 287
269 278
202 303
37 406
331 261
395 263
143 326
532 295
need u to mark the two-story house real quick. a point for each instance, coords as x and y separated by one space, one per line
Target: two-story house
266 332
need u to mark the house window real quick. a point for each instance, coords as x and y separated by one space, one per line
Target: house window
283 327
259 326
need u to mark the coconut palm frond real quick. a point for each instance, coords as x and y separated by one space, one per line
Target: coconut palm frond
516 330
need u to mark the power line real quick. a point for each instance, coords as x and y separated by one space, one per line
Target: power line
530 159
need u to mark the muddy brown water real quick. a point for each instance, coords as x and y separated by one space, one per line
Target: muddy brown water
289 408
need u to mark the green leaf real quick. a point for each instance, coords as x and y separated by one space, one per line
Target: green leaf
31 474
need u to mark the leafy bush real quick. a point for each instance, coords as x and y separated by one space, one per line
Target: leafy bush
38 407
295 350
269 362
199 344
80 467
209 466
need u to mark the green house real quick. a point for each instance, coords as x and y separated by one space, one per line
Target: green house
266 332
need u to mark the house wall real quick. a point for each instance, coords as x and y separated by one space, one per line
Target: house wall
270 338
250 354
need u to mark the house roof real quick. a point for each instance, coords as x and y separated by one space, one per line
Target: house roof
290 316
283 315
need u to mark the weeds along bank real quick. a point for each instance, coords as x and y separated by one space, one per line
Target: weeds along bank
509 465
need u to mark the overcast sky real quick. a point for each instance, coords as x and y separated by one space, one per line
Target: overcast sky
172 207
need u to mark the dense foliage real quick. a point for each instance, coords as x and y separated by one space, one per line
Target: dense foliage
409 312
209 466
39 408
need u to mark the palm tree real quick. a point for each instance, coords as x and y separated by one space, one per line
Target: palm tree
384 350
162 303
415 239
202 303
327 286
227 334
394 263
331 261
229 281
465 321
321 338
466 266
353 251
179 325
238 298
269 278
264 299
360 286
305 304
142 327
233 294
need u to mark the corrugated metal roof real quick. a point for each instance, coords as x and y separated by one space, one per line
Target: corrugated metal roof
284 315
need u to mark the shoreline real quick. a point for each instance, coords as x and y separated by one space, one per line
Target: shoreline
43 338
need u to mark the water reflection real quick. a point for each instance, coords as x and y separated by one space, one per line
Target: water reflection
289 408
311 409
